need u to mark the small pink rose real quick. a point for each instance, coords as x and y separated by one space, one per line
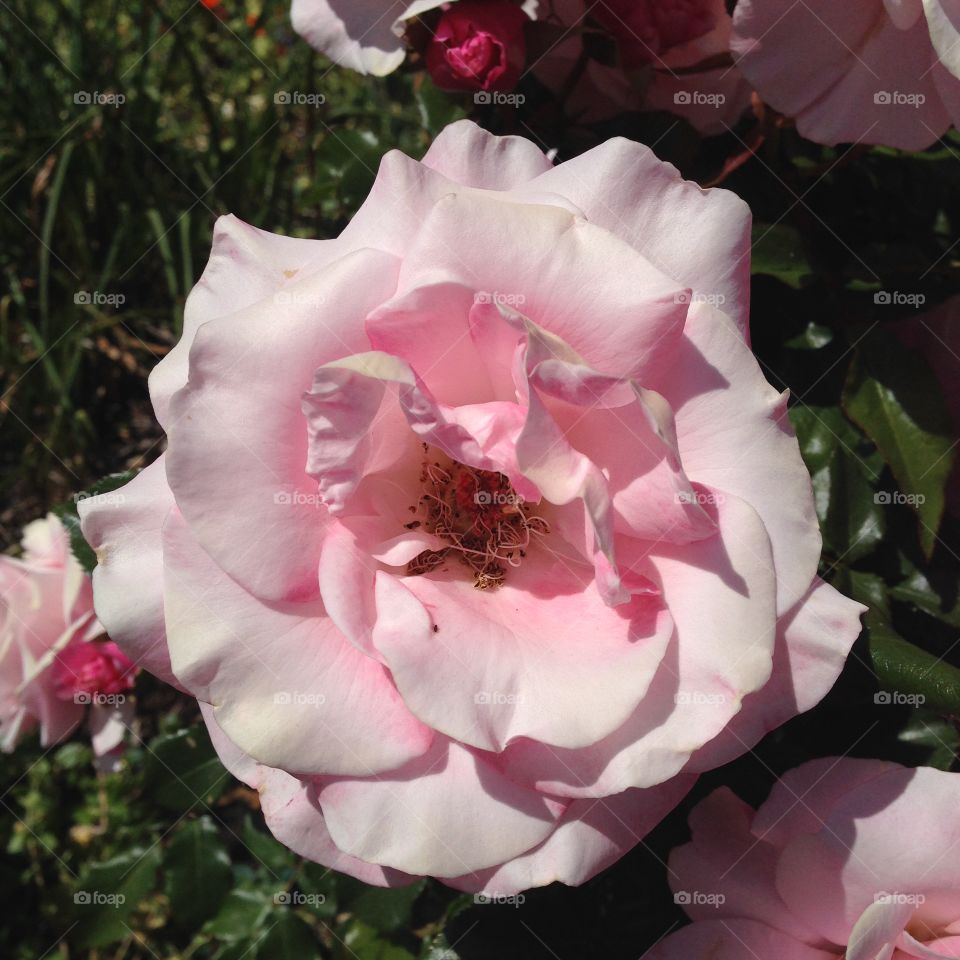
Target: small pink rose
846 859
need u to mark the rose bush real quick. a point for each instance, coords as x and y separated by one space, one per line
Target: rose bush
51 647
479 533
875 71
847 858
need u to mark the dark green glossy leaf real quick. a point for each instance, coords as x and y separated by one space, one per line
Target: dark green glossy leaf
198 873
183 770
887 393
288 939
108 892
242 913
779 251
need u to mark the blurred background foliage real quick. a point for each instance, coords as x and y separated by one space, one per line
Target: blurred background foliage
107 214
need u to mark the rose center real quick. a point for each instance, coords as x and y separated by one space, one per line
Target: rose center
475 56
487 525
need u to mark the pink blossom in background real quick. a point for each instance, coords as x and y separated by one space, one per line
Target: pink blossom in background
479 533
478 46
847 858
872 71
49 647
646 29
712 99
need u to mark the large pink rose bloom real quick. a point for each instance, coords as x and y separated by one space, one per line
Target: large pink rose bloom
51 665
480 532
847 858
870 71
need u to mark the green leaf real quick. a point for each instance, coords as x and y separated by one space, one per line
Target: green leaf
941 601
438 947
289 939
813 337
778 250
383 908
363 941
939 738
266 851
241 914
108 892
198 873
888 394
851 522
183 770
67 512
905 670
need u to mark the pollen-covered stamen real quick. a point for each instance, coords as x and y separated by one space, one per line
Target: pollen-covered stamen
488 526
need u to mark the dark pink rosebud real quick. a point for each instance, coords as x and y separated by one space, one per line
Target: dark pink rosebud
478 46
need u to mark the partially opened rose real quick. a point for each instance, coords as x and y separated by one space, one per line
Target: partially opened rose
870 71
847 858
54 662
480 532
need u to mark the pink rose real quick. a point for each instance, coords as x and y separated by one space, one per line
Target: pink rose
478 46
712 100
46 618
52 664
645 29
92 668
847 858
479 532
871 71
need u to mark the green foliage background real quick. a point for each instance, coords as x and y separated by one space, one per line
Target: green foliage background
121 200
